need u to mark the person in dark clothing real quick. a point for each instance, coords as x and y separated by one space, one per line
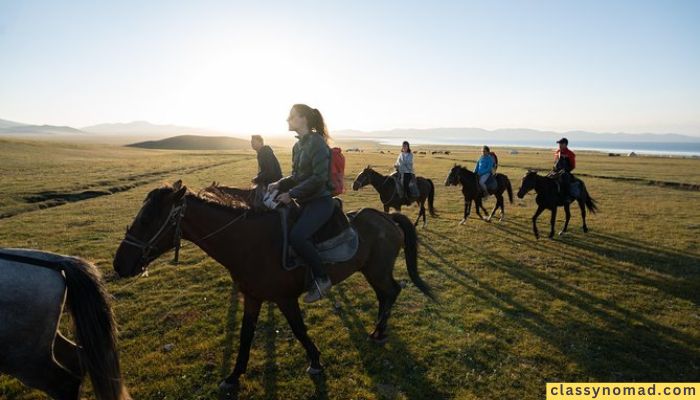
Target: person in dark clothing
564 161
311 187
268 167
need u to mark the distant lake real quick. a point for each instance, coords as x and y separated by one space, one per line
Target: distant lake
651 148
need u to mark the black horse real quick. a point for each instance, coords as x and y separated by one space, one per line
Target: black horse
470 188
388 193
548 197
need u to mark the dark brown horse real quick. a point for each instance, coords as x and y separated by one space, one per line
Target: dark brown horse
472 193
388 194
548 198
248 244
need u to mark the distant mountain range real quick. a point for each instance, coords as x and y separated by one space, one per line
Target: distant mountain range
195 142
510 135
446 135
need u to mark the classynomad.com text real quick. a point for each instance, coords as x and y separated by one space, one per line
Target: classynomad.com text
623 391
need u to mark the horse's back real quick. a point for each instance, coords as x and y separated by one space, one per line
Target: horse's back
31 300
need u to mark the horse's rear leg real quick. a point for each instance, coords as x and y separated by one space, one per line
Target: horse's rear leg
291 311
582 205
567 211
479 205
66 353
251 311
49 377
387 290
421 213
499 202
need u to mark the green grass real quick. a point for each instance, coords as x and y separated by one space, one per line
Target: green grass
617 304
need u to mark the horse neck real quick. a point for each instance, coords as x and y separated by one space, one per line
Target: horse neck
376 179
465 176
202 219
542 183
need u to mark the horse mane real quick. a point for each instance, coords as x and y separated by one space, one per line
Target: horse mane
210 195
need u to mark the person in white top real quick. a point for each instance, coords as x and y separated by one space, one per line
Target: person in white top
404 166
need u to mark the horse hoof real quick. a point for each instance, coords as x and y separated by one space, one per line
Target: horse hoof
378 339
314 371
226 387
585 229
562 233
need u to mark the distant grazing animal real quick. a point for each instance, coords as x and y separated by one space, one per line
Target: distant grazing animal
248 244
548 197
385 185
470 189
34 286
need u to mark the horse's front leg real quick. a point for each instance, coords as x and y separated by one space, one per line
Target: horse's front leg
534 221
552 222
291 311
467 208
251 311
567 212
478 205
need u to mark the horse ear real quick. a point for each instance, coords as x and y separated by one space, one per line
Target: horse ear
177 185
180 193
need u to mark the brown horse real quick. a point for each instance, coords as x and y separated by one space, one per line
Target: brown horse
472 192
248 244
388 194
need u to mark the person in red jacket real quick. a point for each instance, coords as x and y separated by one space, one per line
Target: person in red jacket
565 161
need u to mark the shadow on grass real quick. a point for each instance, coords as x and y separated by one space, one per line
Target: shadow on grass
677 273
231 333
404 374
624 345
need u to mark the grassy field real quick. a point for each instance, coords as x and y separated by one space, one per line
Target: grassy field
617 304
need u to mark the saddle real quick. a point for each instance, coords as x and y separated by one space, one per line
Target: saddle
575 189
414 192
337 241
491 184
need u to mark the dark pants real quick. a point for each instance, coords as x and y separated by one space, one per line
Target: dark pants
406 182
314 215
565 183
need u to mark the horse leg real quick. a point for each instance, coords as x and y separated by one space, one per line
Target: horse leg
422 212
503 209
567 212
467 209
477 203
387 290
46 375
66 353
251 311
582 205
552 222
291 311
499 200
539 211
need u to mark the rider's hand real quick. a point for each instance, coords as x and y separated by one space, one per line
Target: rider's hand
284 198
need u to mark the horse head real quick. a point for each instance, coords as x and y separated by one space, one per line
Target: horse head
153 230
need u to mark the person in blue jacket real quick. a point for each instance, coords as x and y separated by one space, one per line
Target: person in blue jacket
483 169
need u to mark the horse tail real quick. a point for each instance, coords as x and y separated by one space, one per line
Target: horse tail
509 188
411 252
591 204
95 329
431 197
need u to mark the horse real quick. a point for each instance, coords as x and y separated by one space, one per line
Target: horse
389 196
548 197
222 194
34 286
248 244
472 192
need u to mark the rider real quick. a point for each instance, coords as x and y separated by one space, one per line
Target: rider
404 166
564 161
268 167
483 169
311 188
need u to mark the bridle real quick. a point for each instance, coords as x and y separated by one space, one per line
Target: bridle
177 213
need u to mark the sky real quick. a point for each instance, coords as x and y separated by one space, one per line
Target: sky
604 66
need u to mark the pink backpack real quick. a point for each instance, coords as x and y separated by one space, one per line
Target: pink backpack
337 171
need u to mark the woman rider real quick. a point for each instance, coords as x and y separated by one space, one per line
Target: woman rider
404 166
311 188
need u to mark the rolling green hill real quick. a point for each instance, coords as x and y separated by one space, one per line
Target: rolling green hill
195 142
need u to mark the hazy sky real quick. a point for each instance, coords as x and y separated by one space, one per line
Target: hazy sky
630 66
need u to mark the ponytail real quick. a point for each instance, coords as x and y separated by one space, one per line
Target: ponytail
314 119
